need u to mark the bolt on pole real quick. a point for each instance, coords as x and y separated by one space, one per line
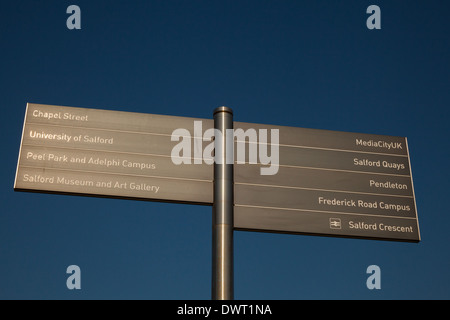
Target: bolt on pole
223 207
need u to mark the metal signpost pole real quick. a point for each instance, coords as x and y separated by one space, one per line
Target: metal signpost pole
222 220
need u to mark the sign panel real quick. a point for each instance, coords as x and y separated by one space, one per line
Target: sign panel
325 182
330 183
108 154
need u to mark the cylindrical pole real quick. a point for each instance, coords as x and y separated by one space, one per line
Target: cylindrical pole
222 219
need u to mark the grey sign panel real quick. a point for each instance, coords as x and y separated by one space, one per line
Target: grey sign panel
344 160
325 224
327 180
324 201
108 120
333 140
332 184
113 185
109 154
111 163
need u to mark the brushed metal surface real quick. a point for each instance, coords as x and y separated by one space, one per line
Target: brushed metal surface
222 287
105 148
362 181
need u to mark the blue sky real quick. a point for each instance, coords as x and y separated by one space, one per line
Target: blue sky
311 64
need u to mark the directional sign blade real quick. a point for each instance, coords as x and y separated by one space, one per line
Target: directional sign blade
108 154
330 183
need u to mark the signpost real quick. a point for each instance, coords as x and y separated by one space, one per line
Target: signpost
325 183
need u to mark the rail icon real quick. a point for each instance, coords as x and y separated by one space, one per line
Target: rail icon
335 223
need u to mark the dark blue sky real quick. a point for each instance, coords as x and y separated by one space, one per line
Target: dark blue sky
311 64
